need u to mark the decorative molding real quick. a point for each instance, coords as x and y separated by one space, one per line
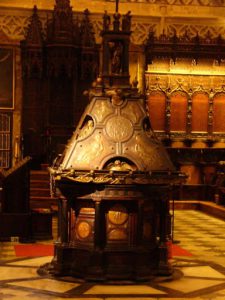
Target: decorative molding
13 24
169 84
211 3
185 82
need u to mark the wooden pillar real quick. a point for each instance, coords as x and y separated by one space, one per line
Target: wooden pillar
63 219
164 266
140 222
167 115
97 226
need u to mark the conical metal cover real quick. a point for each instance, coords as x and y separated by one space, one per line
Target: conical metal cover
115 133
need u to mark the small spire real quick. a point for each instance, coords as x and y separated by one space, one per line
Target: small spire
117 6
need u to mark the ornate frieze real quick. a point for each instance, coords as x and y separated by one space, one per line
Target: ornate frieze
180 2
13 23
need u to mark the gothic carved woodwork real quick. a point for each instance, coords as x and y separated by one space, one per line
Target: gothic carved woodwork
32 48
165 22
15 214
218 125
220 183
174 47
209 3
56 70
200 105
5 139
178 111
89 56
33 102
157 109
187 52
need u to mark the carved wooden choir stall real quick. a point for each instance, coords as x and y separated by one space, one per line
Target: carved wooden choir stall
113 179
15 213
56 66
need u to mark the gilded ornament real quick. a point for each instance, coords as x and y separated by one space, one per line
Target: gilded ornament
83 229
119 128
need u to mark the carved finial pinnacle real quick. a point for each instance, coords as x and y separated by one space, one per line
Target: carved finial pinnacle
117 6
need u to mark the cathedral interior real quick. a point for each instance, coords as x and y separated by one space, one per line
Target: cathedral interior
112 149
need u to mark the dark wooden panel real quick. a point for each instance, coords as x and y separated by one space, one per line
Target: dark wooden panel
157 109
178 110
200 110
219 112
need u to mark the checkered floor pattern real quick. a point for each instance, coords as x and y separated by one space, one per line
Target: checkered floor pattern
201 276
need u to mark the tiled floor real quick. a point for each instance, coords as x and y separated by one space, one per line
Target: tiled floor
203 274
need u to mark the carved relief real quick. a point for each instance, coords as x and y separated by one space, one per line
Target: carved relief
86 129
117 223
186 82
117 217
148 153
180 2
14 24
101 110
141 30
201 29
132 109
83 229
120 165
200 93
119 128
90 150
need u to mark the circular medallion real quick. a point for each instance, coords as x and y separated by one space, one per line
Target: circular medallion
119 128
83 229
117 217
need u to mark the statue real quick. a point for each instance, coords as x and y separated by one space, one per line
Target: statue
126 22
116 61
106 21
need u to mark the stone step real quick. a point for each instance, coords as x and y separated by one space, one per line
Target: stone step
37 202
42 192
39 175
39 184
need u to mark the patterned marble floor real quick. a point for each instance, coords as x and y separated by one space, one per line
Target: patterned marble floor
203 274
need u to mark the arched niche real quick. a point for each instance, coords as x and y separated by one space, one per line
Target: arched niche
218 124
157 106
200 111
178 111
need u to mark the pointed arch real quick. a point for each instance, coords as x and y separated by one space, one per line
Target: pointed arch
156 104
218 124
178 111
200 111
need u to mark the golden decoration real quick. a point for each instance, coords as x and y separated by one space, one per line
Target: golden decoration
83 229
119 128
117 234
117 217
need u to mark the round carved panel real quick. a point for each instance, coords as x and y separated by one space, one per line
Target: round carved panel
119 128
117 217
83 229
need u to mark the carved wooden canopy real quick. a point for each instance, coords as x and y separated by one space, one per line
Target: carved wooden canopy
184 46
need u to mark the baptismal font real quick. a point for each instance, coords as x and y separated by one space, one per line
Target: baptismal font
114 178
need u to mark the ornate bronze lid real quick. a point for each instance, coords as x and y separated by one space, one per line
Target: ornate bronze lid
114 134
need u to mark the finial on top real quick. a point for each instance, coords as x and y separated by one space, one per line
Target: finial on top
117 6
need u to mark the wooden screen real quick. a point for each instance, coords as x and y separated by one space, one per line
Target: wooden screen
157 107
178 110
5 140
193 172
219 112
200 110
